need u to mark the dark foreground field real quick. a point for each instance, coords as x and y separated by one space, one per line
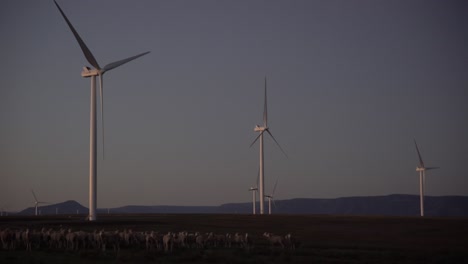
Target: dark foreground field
323 239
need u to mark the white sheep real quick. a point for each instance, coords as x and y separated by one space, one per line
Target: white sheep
168 242
274 240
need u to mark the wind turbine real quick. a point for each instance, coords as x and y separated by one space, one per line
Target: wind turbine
422 178
37 202
86 73
270 197
254 196
261 130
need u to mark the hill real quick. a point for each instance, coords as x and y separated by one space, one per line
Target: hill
68 207
389 205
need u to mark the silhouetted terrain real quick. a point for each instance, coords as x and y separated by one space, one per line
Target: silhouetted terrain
391 205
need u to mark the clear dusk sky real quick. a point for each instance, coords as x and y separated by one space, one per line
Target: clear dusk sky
350 84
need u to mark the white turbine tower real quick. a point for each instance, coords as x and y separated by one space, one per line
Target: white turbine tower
37 202
261 130
422 178
87 72
271 197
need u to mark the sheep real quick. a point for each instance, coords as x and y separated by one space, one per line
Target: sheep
98 241
228 240
248 242
168 242
274 240
26 238
290 242
191 239
200 241
70 238
137 239
151 240
238 240
6 236
17 240
180 240
219 240
66 239
110 239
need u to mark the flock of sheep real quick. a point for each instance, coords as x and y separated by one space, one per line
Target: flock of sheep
67 239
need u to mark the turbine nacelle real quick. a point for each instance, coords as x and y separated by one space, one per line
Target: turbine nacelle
88 72
253 189
420 169
258 128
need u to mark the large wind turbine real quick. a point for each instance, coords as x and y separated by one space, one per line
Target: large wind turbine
87 72
422 178
37 202
261 130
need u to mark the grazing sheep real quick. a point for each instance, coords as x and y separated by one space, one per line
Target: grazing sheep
228 240
191 239
7 236
248 242
290 242
151 241
26 238
180 240
238 240
200 241
219 240
168 242
274 240
70 238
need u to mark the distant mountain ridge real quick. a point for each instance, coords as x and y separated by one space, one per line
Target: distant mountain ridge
388 205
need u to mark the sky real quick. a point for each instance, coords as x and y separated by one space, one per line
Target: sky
350 85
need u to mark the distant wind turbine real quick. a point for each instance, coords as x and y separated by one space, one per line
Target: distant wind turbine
271 197
254 196
261 130
37 202
87 72
422 178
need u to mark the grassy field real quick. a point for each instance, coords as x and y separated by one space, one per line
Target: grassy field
323 239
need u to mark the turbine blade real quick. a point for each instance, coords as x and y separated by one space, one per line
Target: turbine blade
256 138
274 203
267 130
258 177
432 168
265 110
116 64
35 198
421 163
89 56
274 188
101 89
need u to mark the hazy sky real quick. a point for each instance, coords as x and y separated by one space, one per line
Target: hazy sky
350 84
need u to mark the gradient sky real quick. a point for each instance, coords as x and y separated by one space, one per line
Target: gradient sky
350 84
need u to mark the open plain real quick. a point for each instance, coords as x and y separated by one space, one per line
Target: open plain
318 239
